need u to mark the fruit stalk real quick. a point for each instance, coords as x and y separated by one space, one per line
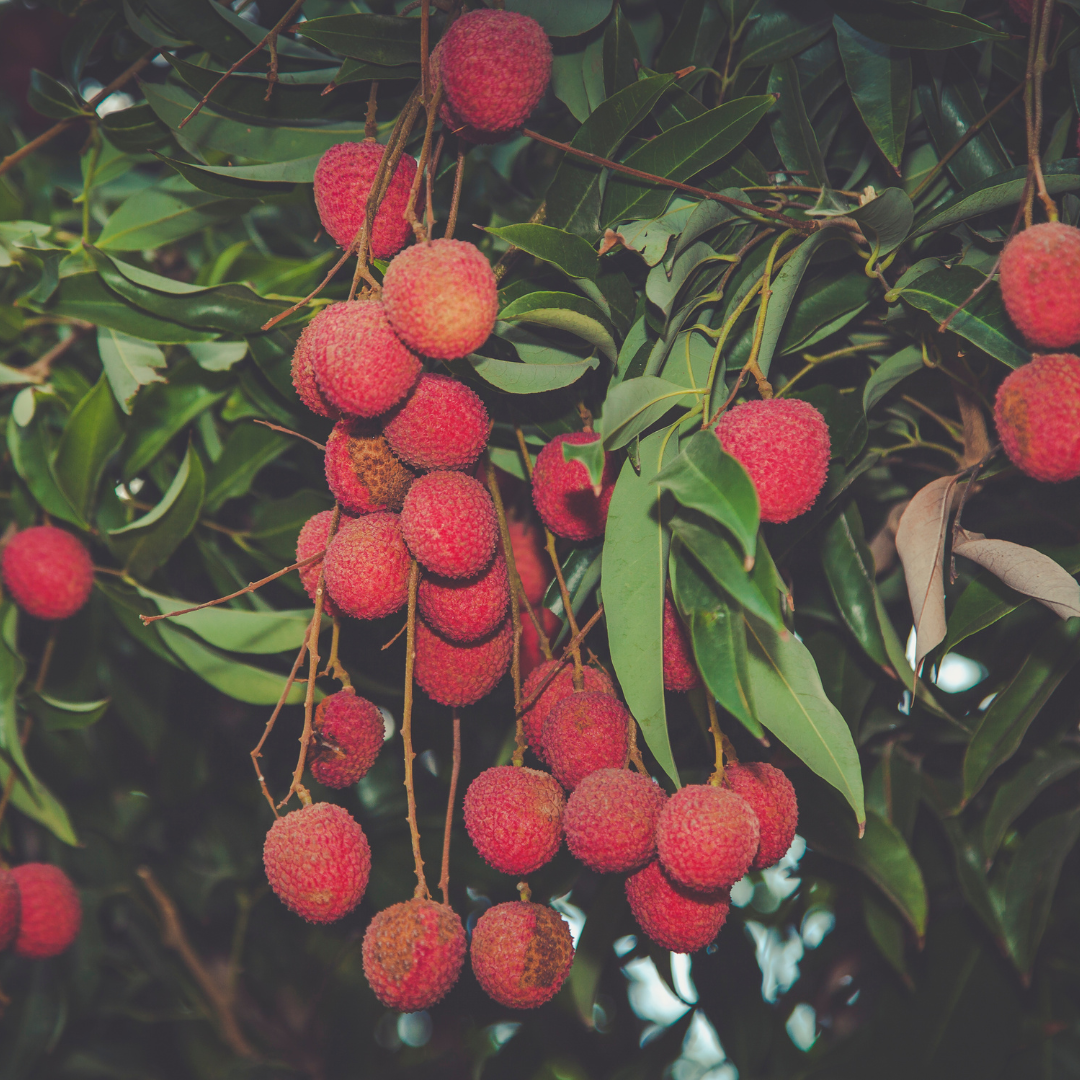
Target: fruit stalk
256 753
455 772
421 892
455 200
717 777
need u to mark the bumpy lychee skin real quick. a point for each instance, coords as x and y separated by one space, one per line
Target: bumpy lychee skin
413 953
313 539
343 180
1038 417
680 668
466 609
521 953
360 364
584 732
441 298
495 66
563 493
555 690
303 371
610 820
675 917
362 473
784 446
9 907
442 424
1040 279
514 818
317 861
448 520
47 572
367 567
771 796
458 675
50 911
349 733
707 837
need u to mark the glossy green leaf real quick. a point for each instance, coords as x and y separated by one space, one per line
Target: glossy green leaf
564 311
792 132
91 436
822 307
843 675
633 405
56 714
887 930
529 378
912 25
560 19
135 130
248 448
776 35
620 53
592 456
891 372
570 253
201 21
222 183
581 572
51 98
379 39
885 221
129 363
577 78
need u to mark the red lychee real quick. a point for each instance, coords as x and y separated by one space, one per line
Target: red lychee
707 837
349 733
494 66
413 954
559 687
1038 417
531 654
50 911
1040 279
303 371
362 473
313 539
514 817
367 566
442 424
783 444
441 298
675 917
360 364
584 732
521 953
342 183
47 572
610 820
317 861
448 521
533 564
563 492
461 674
466 609
680 668
9 907
771 796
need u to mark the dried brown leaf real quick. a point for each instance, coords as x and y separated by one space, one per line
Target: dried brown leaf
883 545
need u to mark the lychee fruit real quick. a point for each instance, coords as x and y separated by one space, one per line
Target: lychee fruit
317 861
313 538
349 732
610 820
680 668
586 731
563 492
413 952
362 473
533 564
50 911
555 690
47 572
707 837
457 675
674 917
360 364
303 371
466 609
442 424
771 796
1040 278
448 521
1038 417
494 66
531 654
514 818
441 298
783 444
521 953
367 566
9 907
343 181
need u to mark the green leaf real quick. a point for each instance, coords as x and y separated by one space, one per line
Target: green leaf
844 678
792 132
636 404
581 572
887 930
885 221
379 39
570 253
135 130
129 363
217 355
620 54
51 98
825 305
891 372
592 456
529 378
219 182
911 25
248 448
577 78
91 436
57 715
776 35
560 19
565 311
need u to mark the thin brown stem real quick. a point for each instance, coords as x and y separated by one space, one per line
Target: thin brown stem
421 892
371 124
455 772
294 434
455 200
41 368
717 776
46 659
425 73
568 609
333 665
635 751
516 589
256 754
432 172
573 643
1035 144
431 109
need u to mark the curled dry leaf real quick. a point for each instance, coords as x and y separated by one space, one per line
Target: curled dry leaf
883 545
1022 568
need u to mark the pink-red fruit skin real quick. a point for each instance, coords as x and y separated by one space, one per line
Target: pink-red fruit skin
313 538
563 492
466 609
458 675
771 796
559 687
441 298
1038 417
367 567
9 907
317 861
343 180
50 911
47 572
349 734
610 820
783 444
413 953
521 953
361 472
707 837
1040 284
303 371
675 917
514 817
680 668
442 424
448 521
586 731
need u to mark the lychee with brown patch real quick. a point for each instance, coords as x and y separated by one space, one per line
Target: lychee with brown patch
50 911
676 918
367 567
466 609
1040 280
771 796
362 473
586 731
458 675
563 492
555 689
47 572
449 524
349 733
442 424
680 667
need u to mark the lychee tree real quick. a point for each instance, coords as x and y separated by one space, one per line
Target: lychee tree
683 464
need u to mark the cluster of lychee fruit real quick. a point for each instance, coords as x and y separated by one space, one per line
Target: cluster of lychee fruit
40 911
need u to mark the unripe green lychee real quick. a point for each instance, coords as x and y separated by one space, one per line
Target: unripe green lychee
349 733
50 912
771 796
1040 280
586 731
673 916
47 572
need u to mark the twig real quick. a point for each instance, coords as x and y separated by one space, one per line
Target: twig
455 200
1040 68
717 776
46 660
421 892
294 434
516 589
572 643
333 665
635 750
944 324
39 370
256 754
564 592
371 124
431 110
429 186
444 877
